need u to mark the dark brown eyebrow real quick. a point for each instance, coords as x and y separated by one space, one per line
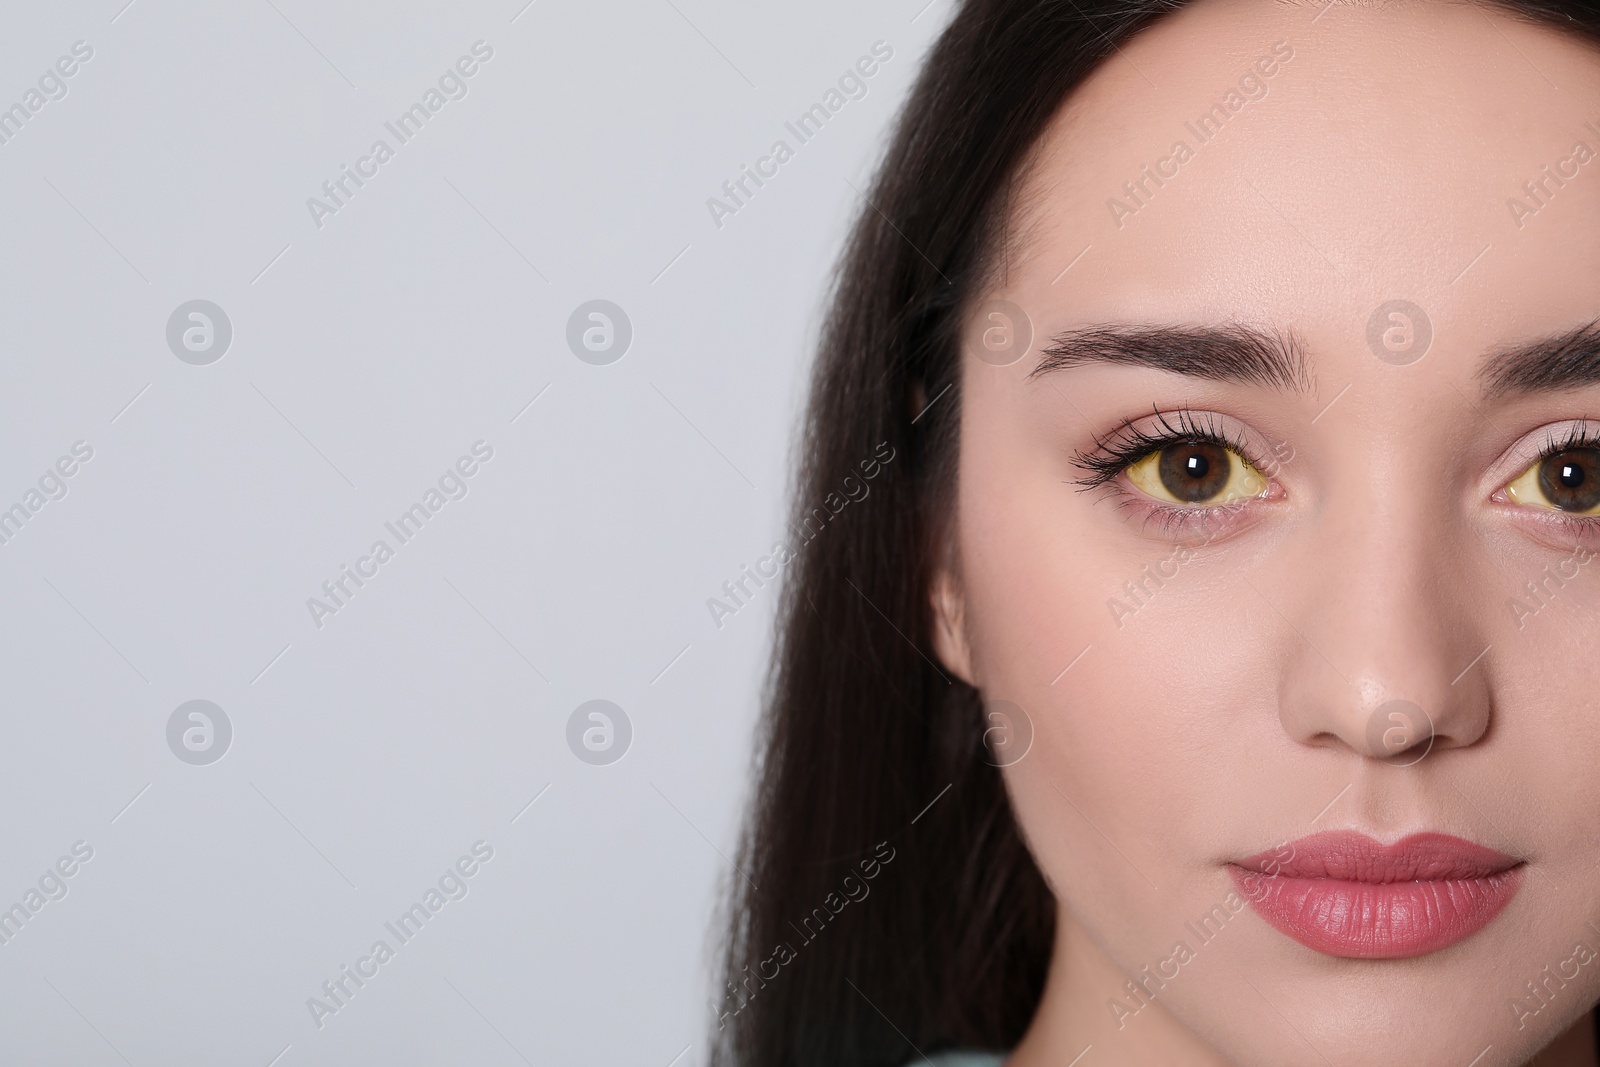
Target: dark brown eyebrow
1231 353
1561 361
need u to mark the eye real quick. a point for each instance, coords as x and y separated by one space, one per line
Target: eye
1568 480
1202 472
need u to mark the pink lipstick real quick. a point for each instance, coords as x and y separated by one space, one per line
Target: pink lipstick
1346 894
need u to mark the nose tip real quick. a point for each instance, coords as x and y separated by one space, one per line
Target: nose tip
1392 686
1400 732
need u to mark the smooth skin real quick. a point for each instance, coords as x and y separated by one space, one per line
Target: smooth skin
1232 709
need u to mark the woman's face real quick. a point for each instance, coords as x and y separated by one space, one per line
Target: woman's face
1350 601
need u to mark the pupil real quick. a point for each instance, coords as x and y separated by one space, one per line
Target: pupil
1571 480
1195 472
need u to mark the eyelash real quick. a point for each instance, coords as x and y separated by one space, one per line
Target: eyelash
1581 434
1128 444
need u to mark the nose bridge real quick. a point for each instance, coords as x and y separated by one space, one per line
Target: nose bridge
1389 631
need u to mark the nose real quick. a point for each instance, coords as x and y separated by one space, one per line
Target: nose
1389 659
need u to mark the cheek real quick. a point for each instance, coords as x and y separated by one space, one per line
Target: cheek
1142 750
1137 669
1546 730
1143 732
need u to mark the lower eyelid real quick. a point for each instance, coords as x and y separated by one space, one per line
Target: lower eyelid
1561 530
1179 517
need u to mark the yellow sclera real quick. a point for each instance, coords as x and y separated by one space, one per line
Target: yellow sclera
1244 481
1525 489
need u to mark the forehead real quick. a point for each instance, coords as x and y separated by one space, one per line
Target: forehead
1255 160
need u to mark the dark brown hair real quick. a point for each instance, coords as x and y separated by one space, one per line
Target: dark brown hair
867 747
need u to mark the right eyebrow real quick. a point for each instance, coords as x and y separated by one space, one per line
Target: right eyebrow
1232 353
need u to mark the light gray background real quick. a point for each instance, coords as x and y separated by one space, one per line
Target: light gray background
367 356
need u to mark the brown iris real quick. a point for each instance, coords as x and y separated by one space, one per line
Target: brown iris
1570 480
1197 472
1194 472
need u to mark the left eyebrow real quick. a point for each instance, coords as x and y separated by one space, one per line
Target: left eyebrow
1232 353
1561 361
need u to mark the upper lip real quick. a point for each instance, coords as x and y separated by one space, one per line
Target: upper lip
1351 856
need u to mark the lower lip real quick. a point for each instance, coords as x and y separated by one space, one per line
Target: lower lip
1370 918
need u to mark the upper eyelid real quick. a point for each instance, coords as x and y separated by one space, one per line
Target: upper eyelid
1110 448
1579 433
1539 444
1133 433
1134 439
